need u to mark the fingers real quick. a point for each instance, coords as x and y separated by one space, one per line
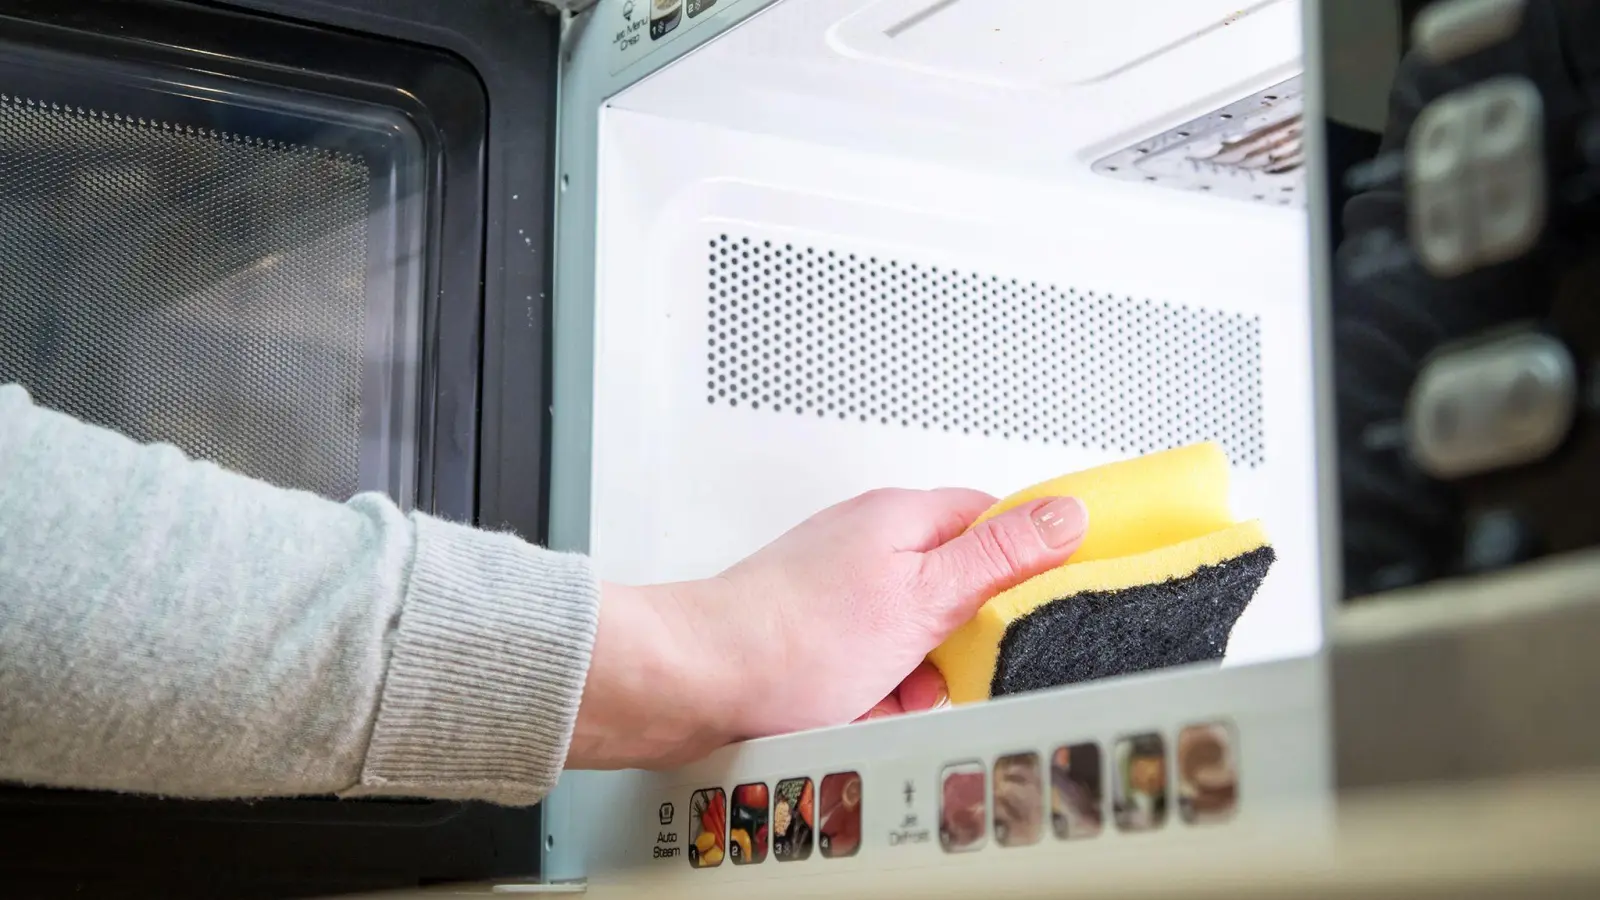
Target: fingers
923 689
1002 553
888 706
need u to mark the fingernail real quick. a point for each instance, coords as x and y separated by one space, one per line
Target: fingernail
941 700
1060 522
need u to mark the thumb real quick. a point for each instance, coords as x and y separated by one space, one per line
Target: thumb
1003 552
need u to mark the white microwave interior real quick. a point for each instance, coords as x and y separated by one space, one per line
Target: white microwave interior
834 245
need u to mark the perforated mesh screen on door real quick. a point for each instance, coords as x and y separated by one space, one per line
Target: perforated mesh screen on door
809 331
188 287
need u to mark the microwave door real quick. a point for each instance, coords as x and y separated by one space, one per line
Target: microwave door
305 240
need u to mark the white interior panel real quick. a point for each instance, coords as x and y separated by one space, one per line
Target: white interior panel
988 332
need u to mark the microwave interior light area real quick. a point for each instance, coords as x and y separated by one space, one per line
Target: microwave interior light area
808 248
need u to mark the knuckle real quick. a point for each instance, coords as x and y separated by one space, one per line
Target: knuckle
875 497
1002 552
884 500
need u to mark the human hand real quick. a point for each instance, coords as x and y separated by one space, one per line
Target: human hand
828 623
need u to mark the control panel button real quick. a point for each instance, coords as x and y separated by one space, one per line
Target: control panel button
1502 403
1140 799
839 816
708 823
1455 28
1208 773
1018 800
749 828
1476 185
963 807
664 17
793 819
1077 791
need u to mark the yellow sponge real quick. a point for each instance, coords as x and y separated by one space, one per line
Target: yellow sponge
1161 577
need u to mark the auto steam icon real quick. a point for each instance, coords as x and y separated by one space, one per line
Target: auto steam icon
667 812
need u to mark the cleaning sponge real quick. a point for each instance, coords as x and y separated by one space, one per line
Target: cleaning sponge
1160 579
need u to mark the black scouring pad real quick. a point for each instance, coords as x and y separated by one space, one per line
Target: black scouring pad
1160 579
1098 634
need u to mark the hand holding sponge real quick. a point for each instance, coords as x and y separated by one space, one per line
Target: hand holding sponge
1162 576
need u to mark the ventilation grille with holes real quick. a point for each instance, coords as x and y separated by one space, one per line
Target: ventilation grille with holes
815 332
1252 149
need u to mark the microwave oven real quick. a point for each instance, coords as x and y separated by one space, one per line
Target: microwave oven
810 247
723 262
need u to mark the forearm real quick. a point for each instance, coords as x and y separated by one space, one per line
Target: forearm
169 627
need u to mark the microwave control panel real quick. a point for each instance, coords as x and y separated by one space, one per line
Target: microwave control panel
1465 335
1077 791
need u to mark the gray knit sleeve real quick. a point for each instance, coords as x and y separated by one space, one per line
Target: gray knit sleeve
169 627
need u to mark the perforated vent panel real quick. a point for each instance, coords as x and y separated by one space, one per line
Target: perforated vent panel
798 330
180 285
1252 149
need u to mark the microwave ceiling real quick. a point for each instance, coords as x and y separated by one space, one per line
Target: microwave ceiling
1034 45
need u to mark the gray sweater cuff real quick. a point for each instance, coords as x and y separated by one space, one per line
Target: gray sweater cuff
487 668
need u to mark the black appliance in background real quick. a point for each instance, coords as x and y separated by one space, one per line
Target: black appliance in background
1465 270
309 240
